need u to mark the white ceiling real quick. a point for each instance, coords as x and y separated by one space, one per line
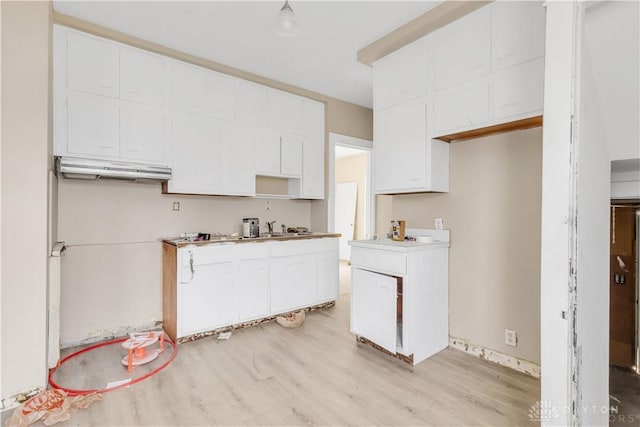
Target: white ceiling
321 58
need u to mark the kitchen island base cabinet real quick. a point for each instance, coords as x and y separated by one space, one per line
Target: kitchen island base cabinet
399 297
208 288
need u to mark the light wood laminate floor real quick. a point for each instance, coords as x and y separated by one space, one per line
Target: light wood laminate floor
315 375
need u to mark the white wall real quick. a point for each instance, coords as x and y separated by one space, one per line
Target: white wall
26 36
111 271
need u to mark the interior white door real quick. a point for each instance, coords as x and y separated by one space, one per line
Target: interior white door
345 214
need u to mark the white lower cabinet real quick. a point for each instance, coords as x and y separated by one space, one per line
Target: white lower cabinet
206 296
293 282
219 285
399 296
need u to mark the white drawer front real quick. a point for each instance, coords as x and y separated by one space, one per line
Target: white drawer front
253 250
377 260
294 247
212 254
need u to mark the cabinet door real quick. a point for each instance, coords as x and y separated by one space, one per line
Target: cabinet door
267 152
92 65
252 104
207 300
188 88
313 118
142 133
517 33
373 307
312 168
401 76
196 148
141 76
462 49
92 127
293 282
291 156
461 107
400 146
253 289
220 95
284 111
328 280
239 166
518 91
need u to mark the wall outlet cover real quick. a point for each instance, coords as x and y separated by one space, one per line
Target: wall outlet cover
510 337
438 224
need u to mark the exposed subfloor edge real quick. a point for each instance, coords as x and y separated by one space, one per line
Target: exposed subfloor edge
521 365
109 334
13 401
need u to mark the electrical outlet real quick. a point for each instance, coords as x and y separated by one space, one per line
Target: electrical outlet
438 223
176 206
267 206
510 337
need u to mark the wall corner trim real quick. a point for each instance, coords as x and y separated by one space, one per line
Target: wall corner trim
521 365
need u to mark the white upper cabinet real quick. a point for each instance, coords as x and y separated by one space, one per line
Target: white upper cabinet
405 159
142 132
142 77
284 111
462 49
252 104
92 64
291 156
461 107
313 118
517 33
196 142
267 152
239 164
188 88
519 90
92 126
221 95
312 168
401 76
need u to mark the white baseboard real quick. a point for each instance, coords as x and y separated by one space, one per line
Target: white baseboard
520 365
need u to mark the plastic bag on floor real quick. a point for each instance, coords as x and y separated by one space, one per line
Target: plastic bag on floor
50 406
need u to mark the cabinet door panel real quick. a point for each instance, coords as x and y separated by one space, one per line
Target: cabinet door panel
92 65
196 147
142 132
252 104
221 95
208 299
141 77
373 307
517 33
328 281
284 111
401 76
291 156
462 49
313 168
461 107
92 125
518 90
239 167
293 282
400 146
188 88
253 289
313 117
267 152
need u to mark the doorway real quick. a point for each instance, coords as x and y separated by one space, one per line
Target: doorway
351 203
624 325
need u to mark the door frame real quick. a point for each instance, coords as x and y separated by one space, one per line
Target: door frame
370 205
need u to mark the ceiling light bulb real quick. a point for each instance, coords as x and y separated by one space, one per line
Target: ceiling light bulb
286 21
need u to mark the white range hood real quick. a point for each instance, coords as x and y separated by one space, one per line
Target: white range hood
92 169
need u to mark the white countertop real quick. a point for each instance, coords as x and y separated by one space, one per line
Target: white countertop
391 245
